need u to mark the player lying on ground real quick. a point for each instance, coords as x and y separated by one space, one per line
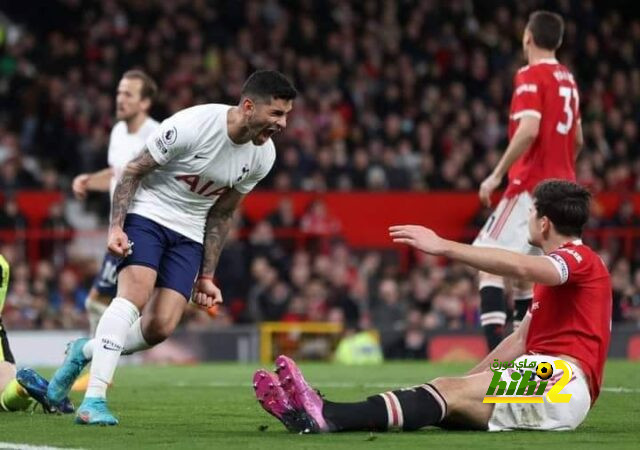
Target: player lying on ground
175 201
569 319
24 389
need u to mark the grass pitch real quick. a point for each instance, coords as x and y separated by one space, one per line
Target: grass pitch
212 406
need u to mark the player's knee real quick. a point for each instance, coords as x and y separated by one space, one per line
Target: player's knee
136 284
449 388
158 328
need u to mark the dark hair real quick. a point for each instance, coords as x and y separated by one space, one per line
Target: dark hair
547 29
266 85
149 87
565 203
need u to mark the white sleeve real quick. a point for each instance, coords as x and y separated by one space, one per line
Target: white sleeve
174 136
263 168
110 149
561 266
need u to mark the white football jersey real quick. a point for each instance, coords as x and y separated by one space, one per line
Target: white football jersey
124 146
198 163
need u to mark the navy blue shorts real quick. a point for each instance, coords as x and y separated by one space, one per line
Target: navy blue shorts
105 282
173 256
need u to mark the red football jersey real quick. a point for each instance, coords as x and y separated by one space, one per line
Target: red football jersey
545 90
574 318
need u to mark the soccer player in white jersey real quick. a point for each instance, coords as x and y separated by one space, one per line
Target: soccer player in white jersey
170 214
135 94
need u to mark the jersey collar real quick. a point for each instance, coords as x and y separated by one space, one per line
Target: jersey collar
547 61
574 242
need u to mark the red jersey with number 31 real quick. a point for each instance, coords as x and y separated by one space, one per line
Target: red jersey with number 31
545 90
574 318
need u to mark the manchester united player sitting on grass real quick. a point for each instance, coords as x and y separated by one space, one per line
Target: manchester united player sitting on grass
569 319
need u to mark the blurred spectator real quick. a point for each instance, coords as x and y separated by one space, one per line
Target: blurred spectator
389 317
53 247
10 216
283 216
317 221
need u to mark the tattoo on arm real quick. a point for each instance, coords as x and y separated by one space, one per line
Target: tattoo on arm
127 185
219 220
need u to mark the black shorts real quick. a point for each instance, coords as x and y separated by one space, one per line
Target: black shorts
5 350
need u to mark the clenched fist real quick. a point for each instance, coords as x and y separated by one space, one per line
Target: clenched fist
119 244
206 293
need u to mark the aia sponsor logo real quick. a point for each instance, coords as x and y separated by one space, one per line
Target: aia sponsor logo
202 186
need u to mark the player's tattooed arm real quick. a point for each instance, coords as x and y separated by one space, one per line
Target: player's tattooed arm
219 220
127 185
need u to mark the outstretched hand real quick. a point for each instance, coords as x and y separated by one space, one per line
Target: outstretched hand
421 238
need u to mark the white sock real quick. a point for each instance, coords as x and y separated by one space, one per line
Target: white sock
109 343
95 310
134 342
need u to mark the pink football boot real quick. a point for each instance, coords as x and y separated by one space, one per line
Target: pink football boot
274 400
301 396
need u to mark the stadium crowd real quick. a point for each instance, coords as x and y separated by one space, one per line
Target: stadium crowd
407 95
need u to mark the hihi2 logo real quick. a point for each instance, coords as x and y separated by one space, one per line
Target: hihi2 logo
528 385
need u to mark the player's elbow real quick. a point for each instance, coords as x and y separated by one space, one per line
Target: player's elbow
132 170
521 272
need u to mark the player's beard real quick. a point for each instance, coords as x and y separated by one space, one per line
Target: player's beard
264 133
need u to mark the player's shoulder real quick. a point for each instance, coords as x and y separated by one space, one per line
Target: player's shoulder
541 67
204 111
120 127
578 254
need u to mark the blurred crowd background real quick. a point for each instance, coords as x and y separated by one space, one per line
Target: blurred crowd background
395 95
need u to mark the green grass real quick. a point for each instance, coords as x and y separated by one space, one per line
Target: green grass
212 406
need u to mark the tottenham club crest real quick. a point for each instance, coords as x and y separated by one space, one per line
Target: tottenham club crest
169 136
245 171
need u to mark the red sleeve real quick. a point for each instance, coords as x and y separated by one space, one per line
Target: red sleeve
527 96
571 263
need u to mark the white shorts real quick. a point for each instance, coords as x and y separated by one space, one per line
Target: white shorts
545 416
508 226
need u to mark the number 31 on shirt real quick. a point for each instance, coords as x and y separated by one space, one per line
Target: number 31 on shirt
567 94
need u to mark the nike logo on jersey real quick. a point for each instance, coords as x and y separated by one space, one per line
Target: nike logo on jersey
199 157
